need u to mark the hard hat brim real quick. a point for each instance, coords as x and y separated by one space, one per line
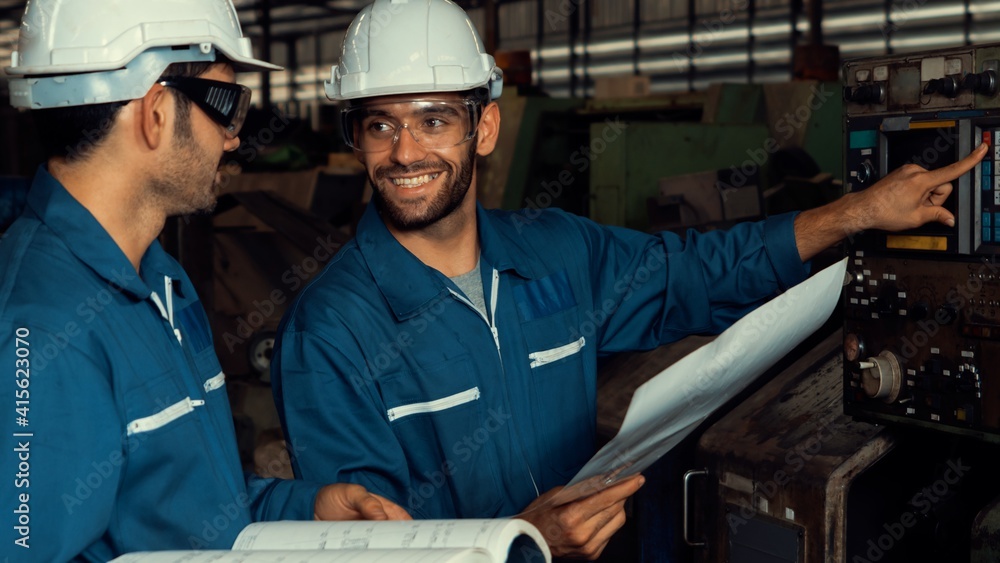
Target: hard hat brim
239 62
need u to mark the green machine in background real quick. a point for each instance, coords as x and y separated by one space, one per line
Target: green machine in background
537 135
702 160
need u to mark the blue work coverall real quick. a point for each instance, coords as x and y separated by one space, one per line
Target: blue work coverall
385 375
117 432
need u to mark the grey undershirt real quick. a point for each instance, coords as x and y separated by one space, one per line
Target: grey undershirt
471 285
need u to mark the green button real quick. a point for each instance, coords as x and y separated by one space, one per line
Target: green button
864 139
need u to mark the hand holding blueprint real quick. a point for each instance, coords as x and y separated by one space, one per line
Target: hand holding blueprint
665 409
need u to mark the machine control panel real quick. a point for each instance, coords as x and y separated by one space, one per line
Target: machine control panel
922 307
922 342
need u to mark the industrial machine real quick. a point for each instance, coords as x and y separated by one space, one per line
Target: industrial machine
881 443
922 311
702 160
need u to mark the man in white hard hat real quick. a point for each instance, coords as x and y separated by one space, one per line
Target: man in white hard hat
120 436
447 357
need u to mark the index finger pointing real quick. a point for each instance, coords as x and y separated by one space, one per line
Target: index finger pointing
952 171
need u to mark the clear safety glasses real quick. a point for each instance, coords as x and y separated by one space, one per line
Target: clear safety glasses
435 124
226 103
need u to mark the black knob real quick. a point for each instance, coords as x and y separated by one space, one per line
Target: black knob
948 386
888 302
866 94
984 83
865 172
919 310
947 86
946 314
854 347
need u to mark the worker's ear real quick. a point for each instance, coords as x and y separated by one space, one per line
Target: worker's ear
155 112
489 129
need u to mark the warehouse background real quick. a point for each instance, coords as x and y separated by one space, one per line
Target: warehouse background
679 44
630 112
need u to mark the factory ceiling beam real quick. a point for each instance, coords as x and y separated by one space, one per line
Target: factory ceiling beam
265 26
332 7
325 4
815 22
492 31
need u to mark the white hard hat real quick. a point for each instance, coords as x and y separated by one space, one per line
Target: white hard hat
80 52
412 47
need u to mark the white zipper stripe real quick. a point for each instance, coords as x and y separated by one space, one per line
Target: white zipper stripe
168 288
491 323
215 383
494 291
465 300
159 305
555 354
168 292
164 417
434 406
167 312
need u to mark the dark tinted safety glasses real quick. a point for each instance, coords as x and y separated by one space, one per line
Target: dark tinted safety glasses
226 103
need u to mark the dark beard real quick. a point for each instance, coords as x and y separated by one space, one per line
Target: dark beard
444 204
178 187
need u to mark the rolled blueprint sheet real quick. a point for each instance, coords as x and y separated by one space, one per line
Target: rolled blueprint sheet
304 556
668 407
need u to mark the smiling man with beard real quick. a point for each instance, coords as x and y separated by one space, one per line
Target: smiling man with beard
414 208
447 357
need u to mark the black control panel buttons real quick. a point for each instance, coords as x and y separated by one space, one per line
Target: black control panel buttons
947 86
873 93
983 83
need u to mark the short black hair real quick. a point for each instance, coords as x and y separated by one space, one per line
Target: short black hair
74 132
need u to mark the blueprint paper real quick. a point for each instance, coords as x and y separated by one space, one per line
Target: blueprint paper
668 407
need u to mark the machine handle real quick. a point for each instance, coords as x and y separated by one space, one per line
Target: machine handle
687 480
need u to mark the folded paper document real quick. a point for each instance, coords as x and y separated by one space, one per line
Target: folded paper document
665 409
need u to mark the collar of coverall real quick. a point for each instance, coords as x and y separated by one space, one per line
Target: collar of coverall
89 242
410 294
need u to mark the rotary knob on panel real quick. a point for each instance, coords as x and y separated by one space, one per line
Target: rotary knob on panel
865 94
881 377
947 86
854 347
866 172
889 300
984 83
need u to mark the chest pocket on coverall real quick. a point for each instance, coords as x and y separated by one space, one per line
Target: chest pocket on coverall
443 427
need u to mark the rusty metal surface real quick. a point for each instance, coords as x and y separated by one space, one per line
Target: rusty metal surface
986 534
788 453
837 488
